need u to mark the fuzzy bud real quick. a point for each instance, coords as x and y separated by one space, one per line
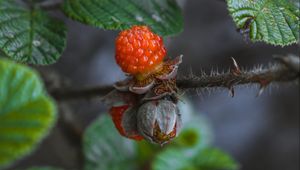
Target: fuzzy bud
159 121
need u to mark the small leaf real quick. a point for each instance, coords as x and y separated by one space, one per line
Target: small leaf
29 35
196 132
163 16
215 159
172 158
195 135
192 140
26 112
146 150
207 159
275 22
105 148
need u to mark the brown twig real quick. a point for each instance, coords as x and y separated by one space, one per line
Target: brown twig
280 72
283 71
86 93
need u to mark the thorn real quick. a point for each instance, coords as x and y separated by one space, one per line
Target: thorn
236 69
231 91
191 73
261 90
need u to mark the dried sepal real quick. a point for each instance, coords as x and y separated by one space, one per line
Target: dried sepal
119 98
162 89
124 84
142 84
141 89
170 69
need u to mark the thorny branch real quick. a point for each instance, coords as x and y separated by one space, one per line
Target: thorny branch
286 69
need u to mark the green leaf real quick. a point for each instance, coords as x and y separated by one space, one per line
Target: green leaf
215 159
191 149
272 21
171 158
146 151
206 159
195 135
29 35
196 132
163 16
105 148
43 168
26 112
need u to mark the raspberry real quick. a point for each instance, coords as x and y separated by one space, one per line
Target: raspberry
139 50
117 116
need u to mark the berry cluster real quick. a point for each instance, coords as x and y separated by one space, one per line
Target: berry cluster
144 106
157 121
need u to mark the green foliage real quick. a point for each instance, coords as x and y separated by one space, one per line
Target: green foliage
163 16
192 145
26 112
272 21
206 159
104 148
43 168
214 159
189 151
175 159
195 135
29 35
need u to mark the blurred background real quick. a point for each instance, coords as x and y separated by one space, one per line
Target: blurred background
261 133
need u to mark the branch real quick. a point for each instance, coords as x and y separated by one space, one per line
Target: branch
287 69
87 93
51 5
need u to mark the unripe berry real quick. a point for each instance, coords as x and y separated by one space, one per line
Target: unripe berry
159 121
123 122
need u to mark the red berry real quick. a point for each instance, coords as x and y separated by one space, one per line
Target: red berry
139 50
117 116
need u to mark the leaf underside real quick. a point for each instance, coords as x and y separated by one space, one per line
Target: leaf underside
273 21
163 16
29 35
206 159
26 112
103 142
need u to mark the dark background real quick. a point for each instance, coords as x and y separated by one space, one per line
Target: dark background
262 133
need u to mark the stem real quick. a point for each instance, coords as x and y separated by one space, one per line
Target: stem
65 94
51 5
283 71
